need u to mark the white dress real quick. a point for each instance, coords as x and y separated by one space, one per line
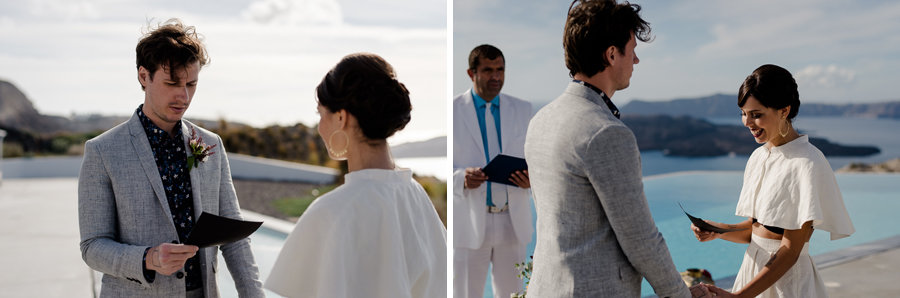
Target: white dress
786 186
377 235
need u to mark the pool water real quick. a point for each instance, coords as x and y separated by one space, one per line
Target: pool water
871 200
266 244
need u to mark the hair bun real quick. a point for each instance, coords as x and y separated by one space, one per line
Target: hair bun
364 84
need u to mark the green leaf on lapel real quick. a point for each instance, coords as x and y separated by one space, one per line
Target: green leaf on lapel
190 163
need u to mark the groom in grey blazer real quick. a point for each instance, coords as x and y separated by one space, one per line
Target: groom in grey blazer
138 196
595 234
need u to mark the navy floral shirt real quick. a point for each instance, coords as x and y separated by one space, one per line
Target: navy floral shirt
609 104
171 161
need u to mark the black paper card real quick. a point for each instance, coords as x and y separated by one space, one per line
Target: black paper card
211 230
705 226
501 168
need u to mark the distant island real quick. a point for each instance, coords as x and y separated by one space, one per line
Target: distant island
891 166
676 127
435 147
692 137
724 105
679 132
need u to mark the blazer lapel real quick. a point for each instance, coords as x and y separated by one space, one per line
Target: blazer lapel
145 154
471 120
196 173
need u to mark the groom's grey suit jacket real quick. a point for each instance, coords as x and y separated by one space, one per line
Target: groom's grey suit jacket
595 234
122 210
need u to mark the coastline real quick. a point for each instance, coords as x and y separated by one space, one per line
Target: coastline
887 167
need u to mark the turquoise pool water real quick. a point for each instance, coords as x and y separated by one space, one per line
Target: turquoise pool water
871 200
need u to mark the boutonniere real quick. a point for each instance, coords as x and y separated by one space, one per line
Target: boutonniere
199 150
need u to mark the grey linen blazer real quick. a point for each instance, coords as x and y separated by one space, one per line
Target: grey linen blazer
595 234
122 210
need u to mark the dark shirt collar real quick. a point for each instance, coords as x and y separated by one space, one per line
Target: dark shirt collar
612 107
153 130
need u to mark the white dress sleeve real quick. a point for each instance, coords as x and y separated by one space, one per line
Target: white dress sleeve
791 185
312 262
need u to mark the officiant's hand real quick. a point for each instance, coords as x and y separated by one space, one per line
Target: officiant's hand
474 178
167 258
702 235
520 178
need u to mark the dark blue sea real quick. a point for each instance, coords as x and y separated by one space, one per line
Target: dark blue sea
882 133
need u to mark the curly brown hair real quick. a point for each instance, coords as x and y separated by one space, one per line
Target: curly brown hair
593 26
172 45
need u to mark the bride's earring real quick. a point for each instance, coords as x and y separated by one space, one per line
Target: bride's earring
338 153
784 124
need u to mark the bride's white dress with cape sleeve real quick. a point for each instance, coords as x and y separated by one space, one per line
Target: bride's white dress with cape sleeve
377 235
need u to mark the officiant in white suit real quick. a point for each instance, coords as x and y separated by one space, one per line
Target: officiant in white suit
491 221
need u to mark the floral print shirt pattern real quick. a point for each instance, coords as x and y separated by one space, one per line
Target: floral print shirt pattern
171 161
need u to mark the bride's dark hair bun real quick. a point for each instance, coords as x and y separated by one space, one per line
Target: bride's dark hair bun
366 86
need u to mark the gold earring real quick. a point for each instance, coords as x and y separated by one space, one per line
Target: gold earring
337 153
785 132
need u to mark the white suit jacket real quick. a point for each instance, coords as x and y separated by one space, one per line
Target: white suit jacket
470 205
122 210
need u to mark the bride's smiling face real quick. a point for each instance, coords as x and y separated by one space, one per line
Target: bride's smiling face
763 122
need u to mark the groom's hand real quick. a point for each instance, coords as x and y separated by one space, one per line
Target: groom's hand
700 291
474 178
521 179
167 258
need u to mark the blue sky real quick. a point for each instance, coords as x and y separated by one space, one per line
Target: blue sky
77 56
839 51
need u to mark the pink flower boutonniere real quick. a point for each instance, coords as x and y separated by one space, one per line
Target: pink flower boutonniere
199 150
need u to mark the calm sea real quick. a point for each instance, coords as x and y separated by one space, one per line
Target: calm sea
882 133
439 167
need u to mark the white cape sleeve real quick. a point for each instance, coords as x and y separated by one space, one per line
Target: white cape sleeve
312 262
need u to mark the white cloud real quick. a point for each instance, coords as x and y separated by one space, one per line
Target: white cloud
260 74
829 76
67 10
294 12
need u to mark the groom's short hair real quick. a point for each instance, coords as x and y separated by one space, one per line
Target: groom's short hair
171 45
592 26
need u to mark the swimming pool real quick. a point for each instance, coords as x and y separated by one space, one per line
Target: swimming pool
871 200
266 244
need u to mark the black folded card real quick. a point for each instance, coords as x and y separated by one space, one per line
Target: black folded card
705 226
211 230
501 168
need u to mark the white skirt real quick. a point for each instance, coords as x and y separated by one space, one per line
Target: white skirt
802 280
